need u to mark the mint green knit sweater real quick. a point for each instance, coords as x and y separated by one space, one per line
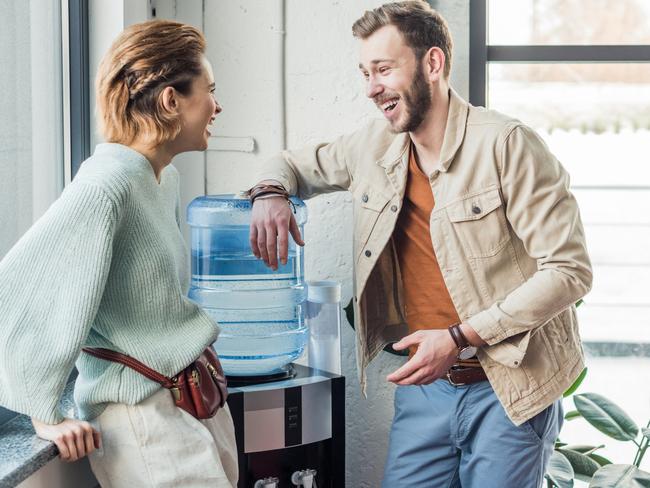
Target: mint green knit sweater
106 266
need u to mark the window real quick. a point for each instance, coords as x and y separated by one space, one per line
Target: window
578 72
43 112
31 159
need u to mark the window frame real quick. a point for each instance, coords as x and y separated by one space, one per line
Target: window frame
481 53
76 88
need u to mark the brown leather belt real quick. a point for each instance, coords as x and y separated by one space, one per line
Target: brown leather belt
459 375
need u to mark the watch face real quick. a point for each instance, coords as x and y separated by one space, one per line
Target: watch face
467 352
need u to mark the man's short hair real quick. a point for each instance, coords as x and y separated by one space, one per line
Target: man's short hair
421 26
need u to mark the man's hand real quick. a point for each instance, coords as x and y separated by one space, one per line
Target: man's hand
436 353
271 222
74 438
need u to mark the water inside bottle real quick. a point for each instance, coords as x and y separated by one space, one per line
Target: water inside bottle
258 309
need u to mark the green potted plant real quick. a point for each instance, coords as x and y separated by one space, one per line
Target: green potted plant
570 462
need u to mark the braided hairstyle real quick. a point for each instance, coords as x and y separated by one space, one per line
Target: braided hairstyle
144 60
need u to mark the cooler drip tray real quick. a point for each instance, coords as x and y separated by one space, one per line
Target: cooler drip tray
287 372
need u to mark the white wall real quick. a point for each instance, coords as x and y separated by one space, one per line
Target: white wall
245 46
324 98
456 12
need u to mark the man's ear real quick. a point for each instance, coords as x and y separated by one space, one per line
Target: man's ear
435 64
168 99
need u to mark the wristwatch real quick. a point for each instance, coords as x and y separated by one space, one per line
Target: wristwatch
465 349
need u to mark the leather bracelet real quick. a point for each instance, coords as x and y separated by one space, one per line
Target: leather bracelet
266 191
263 189
258 194
267 196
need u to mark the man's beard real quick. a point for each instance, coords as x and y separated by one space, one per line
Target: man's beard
417 102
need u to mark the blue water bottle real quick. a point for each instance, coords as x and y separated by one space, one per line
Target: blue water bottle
259 310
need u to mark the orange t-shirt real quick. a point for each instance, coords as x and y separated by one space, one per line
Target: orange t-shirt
427 301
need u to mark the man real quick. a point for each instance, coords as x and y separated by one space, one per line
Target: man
469 250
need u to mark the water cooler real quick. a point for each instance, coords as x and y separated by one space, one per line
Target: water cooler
289 418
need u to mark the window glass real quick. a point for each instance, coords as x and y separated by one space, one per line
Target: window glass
546 22
31 141
31 120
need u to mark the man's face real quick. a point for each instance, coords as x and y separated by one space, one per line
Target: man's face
395 79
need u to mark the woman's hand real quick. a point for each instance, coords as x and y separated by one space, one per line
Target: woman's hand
74 438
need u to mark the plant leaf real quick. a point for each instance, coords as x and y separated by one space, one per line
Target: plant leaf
576 383
349 312
572 415
599 459
606 416
560 471
584 449
583 466
620 476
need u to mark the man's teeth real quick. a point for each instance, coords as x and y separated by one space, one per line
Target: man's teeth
389 105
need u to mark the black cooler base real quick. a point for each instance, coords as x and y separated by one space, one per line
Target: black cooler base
288 427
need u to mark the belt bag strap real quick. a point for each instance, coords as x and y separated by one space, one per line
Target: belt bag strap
200 389
118 357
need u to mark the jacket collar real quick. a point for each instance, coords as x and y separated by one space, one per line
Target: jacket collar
454 135
455 130
396 152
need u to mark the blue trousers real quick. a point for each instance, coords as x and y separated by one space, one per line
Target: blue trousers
446 436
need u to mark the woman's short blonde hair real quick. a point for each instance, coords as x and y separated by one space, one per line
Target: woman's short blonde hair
142 61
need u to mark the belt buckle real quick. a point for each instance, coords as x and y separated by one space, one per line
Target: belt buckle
452 382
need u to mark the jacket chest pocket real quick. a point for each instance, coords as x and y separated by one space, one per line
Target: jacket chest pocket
369 202
479 221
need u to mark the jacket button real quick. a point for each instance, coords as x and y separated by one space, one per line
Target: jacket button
393 208
476 209
368 254
364 198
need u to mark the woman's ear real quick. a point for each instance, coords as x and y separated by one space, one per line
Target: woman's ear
169 100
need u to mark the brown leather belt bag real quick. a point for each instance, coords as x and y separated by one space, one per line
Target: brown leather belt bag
200 389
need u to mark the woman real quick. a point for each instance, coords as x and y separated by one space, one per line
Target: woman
107 267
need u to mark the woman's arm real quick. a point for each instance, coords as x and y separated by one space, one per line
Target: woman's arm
51 285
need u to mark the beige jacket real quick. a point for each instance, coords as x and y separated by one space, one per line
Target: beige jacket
506 231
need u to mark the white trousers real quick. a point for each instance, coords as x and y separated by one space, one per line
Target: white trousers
156 444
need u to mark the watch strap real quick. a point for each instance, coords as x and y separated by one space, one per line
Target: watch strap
458 336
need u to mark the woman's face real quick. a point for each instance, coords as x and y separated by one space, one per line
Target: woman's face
197 112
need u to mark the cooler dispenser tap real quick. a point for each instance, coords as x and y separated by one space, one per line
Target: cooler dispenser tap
267 483
305 478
